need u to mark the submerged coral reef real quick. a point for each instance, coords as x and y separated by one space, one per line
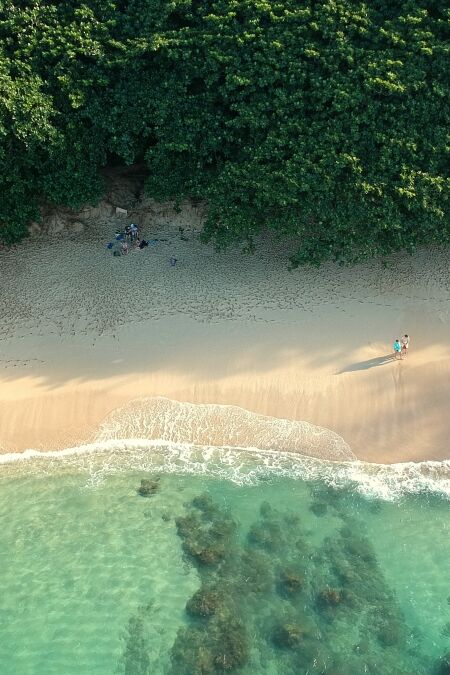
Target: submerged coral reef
271 593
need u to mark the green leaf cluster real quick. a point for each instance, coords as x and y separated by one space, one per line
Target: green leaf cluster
323 120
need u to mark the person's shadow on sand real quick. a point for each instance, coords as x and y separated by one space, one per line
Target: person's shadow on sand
370 363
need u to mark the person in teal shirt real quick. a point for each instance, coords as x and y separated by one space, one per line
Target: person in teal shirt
397 348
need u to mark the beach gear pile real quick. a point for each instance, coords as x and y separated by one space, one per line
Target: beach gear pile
129 234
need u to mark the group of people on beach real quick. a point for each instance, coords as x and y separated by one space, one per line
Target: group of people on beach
400 347
125 239
129 237
132 232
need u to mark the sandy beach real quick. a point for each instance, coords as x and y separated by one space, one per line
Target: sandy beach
83 333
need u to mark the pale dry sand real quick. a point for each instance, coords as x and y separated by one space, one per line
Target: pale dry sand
83 332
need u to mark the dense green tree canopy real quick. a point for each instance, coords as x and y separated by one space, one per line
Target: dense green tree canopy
324 120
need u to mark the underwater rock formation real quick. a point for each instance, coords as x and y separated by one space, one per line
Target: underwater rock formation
208 555
265 509
357 546
220 643
136 660
269 532
325 594
206 532
266 535
389 632
287 635
190 653
290 583
443 666
231 645
330 597
204 602
319 508
148 487
256 572
219 646
204 502
446 629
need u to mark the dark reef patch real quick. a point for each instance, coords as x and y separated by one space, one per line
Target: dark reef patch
274 590
148 487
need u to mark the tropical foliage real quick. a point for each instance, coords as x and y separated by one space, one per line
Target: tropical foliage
324 120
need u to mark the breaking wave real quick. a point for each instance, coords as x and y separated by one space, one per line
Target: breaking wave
159 435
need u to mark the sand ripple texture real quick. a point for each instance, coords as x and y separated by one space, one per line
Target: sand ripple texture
71 284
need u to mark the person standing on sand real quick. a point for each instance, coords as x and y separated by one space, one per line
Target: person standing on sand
397 349
134 231
405 345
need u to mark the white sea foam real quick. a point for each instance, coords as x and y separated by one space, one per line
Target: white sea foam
187 447
220 425
240 465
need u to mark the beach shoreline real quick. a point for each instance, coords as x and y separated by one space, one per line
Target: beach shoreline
84 333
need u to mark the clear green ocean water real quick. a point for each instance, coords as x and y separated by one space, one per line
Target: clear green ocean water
225 567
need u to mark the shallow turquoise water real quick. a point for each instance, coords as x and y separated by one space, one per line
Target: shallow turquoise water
300 576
